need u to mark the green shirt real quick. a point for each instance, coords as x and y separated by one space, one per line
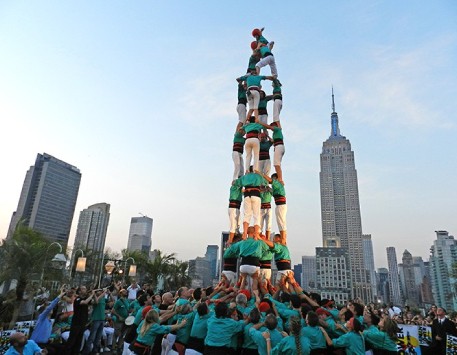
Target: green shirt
232 251
238 138
278 188
252 179
275 338
138 316
277 134
254 80
288 346
220 331
379 339
98 311
315 336
149 336
264 51
252 127
241 91
235 193
252 247
200 326
122 308
281 252
353 343
265 196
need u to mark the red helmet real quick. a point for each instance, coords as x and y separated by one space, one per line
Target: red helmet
253 45
256 32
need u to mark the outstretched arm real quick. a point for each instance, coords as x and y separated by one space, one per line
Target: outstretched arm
266 177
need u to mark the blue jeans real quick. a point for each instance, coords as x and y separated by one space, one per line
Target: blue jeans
96 332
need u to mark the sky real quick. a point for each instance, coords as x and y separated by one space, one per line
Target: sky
141 97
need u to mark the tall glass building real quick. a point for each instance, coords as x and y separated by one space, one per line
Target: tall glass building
48 198
340 208
140 234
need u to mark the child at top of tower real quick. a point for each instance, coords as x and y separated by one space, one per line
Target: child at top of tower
258 35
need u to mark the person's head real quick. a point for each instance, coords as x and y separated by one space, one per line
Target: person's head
241 299
389 326
197 294
440 312
18 340
152 316
221 310
256 33
123 293
253 47
277 238
167 298
354 325
274 176
142 299
284 297
134 284
263 137
312 319
274 124
202 309
295 301
156 299
251 230
271 322
262 94
356 308
251 120
82 291
254 316
371 319
183 292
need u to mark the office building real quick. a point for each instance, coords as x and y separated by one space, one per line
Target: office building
211 255
443 258
394 278
340 208
200 272
309 275
91 236
140 234
48 199
368 258
383 285
410 279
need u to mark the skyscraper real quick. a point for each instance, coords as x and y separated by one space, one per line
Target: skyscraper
309 275
211 255
394 279
368 259
443 257
340 208
410 280
140 234
48 198
91 236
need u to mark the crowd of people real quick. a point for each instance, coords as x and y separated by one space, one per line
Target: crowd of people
225 319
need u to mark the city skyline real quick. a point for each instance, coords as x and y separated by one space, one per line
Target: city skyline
110 89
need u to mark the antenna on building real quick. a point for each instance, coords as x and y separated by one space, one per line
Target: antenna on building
142 215
333 101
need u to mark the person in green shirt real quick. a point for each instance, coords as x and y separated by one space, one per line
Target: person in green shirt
253 84
237 153
121 311
199 329
235 198
314 333
242 102
279 150
383 339
294 344
277 99
264 153
263 112
265 210
98 321
352 341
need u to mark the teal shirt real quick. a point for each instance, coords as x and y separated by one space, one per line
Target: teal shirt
220 331
98 312
183 334
252 127
252 247
263 102
353 343
315 336
200 326
262 40
232 251
288 346
267 255
138 316
241 91
276 87
379 339
256 335
252 179
235 193
149 336
278 188
281 252
135 306
277 134
121 306
254 80
253 60
264 51
238 138
265 196
248 342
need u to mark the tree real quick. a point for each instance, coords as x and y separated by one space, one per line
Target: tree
23 257
178 275
158 267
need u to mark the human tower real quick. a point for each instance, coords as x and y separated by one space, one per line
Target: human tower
252 183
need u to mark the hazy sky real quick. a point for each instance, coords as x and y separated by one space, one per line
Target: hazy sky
141 97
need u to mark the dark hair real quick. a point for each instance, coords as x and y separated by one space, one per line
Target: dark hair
274 176
254 316
271 322
209 290
202 309
305 308
142 299
315 296
285 297
197 294
358 308
252 119
348 315
221 310
295 331
374 319
312 318
358 327
295 300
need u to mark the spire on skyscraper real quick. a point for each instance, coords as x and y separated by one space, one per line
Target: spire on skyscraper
335 127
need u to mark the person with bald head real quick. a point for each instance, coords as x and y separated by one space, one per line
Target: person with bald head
20 345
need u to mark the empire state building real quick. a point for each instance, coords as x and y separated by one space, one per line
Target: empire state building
340 208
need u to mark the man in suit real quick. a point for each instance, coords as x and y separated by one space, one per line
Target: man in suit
441 327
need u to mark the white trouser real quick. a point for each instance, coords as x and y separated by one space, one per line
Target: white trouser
252 147
241 109
234 217
278 154
263 119
282 273
270 60
265 217
238 165
192 352
230 275
281 212
277 107
249 269
252 209
265 166
253 99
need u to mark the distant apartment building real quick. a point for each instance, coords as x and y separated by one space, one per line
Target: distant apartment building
140 234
